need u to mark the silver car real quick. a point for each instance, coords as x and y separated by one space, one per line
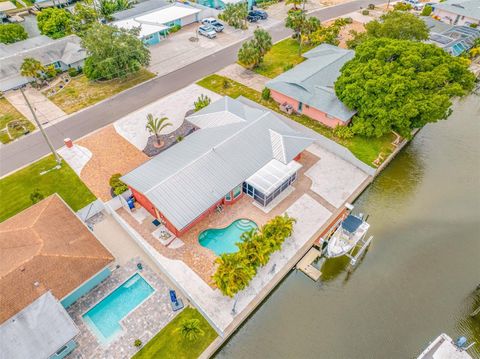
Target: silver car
207 31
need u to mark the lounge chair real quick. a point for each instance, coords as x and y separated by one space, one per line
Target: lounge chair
175 302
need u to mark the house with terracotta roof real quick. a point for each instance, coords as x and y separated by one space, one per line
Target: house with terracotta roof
48 260
309 87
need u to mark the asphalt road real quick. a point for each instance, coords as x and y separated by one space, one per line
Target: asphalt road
33 147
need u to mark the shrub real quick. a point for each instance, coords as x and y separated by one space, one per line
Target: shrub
348 20
365 12
226 84
427 10
190 329
474 26
36 196
400 6
202 101
371 6
287 67
174 28
137 343
344 132
118 186
266 94
180 138
72 71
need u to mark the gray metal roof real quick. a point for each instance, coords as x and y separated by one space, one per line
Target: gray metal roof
312 81
468 8
48 51
38 331
188 178
140 8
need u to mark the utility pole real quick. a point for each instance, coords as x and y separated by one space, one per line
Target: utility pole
40 127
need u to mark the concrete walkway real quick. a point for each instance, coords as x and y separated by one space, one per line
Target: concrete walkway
47 112
244 76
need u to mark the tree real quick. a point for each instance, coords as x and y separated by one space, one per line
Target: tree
235 15
327 34
202 101
10 33
295 3
108 7
393 25
55 22
84 16
32 68
190 329
400 85
254 249
427 11
113 52
252 52
233 274
155 125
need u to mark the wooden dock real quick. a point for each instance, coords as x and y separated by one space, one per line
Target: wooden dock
305 264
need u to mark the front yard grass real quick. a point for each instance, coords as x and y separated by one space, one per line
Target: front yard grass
13 121
170 344
365 149
282 55
81 92
16 188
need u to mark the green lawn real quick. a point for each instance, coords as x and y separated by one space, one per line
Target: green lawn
12 120
16 188
365 149
282 55
81 92
169 344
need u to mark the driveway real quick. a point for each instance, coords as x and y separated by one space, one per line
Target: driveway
32 147
245 77
46 110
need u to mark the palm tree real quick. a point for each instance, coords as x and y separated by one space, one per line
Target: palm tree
233 274
155 125
32 68
254 248
295 3
190 329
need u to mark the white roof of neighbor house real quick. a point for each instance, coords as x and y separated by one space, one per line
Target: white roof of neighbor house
167 14
145 29
7 5
272 175
191 176
38 331
469 8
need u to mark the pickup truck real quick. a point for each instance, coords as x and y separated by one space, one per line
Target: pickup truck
217 25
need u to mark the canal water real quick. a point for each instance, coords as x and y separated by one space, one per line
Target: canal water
419 276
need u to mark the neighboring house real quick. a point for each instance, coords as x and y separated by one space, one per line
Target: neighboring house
48 259
238 149
309 86
155 24
458 12
453 39
218 4
63 53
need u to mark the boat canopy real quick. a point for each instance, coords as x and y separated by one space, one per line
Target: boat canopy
351 223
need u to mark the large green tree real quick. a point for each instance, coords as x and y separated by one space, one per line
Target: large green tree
252 52
400 85
55 23
10 33
113 52
84 16
233 274
235 15
399 25
302 26
32 68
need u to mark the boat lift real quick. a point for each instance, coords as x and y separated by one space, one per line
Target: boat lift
318 257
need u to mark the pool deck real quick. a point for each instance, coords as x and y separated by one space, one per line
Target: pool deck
142 323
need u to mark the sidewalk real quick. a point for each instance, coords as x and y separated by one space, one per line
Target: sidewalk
47 112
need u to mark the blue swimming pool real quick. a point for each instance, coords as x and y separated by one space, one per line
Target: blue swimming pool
222 240
104 318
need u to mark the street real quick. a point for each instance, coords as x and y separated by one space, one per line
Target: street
33 147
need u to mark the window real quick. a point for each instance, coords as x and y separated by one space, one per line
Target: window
237 191
228 197
65 347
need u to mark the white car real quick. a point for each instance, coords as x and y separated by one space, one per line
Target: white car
217 25
207 31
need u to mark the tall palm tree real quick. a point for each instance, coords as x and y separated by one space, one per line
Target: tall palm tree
32 68
190 329
233 274
254 247
155 125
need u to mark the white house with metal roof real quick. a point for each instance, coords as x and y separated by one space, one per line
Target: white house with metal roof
458 12
155 24
309 87
63 53
238 149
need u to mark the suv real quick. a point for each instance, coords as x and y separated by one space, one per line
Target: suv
252 17
217 25
259 13
207 31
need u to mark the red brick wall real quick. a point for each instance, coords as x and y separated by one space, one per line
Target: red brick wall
307 110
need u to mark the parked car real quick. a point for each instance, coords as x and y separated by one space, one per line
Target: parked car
259 13
416 5
207 31
217 25
252 17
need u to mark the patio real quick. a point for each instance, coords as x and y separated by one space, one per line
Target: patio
199 258
142 323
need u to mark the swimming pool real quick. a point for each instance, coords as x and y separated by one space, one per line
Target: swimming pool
222 240
104 318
